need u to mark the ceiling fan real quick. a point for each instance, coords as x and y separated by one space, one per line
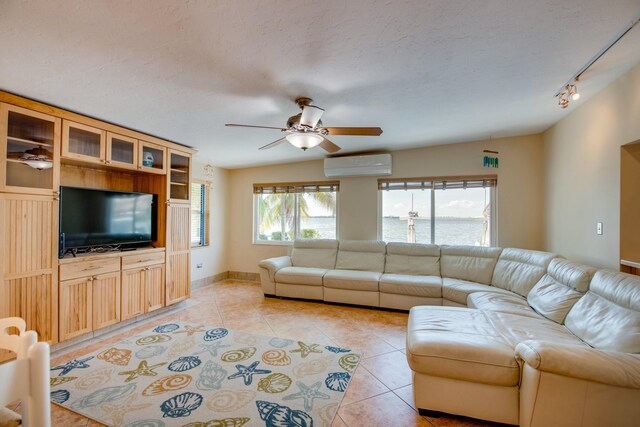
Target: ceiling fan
305 129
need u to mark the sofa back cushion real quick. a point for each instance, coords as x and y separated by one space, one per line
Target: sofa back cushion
558 290
412 258
472 263
608 316
318 253
518 270
363 255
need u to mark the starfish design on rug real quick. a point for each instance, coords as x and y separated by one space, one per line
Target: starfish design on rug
212 348
190 330
308 393
143 369
118 411
306 350
247 372
69 366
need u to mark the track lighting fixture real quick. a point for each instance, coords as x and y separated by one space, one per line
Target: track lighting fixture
569 92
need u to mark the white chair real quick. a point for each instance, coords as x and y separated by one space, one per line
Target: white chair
27 377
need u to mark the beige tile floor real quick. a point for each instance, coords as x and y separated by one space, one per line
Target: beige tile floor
380 393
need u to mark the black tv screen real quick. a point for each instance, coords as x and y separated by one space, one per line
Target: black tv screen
90 218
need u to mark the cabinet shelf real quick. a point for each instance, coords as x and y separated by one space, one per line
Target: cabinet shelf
178 170
179 183
28 141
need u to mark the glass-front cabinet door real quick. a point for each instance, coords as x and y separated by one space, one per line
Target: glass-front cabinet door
152 157
122 151
179 173
82 142
29 160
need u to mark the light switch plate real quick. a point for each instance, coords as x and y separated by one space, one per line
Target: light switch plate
599 228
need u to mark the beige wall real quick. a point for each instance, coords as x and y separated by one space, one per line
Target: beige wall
214 258
520 197
582 175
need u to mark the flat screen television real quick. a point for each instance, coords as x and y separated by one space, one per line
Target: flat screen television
94 218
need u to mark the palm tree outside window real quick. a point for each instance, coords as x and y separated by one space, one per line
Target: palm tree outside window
287 211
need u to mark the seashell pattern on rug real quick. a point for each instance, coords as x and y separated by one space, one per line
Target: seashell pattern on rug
183 375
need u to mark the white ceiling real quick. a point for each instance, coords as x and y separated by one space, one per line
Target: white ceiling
427 72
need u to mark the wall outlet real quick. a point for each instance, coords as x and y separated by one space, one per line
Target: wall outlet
599 228
199 265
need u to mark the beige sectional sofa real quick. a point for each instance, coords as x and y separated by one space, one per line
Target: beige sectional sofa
508 335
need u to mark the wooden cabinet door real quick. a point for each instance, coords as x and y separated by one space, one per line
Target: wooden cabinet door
155 287
179 176
76 303
106 300
122 151
28 250
29 151
82 142
152 158
33 298
132 294
178 252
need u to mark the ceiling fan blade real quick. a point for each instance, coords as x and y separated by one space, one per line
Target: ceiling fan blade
329 146
311 115
253 126
273 144
354 131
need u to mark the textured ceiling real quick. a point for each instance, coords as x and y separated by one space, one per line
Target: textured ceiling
427 72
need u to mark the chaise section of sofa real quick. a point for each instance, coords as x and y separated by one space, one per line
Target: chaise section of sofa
411 276
359 266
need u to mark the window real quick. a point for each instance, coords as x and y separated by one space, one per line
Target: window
284 212
200 213
453 211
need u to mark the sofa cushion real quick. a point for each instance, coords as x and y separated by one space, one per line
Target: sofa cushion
490 301
472 263
412 258
461 344
558 290
608 316
518 270
405 284
363 255
352 279
457 290
319 253
301 275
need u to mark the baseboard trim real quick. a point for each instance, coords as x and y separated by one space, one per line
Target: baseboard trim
241 275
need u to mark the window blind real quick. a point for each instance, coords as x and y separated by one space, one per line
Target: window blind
438 183
199 214
296 187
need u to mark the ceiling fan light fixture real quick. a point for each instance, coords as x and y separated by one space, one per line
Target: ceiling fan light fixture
304 140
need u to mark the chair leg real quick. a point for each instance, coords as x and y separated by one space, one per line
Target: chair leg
429 413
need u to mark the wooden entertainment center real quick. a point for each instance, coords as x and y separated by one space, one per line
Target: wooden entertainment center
44 147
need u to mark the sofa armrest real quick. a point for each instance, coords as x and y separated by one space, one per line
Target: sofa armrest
274 264
586 363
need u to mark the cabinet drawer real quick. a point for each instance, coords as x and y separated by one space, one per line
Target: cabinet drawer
142 260
79 269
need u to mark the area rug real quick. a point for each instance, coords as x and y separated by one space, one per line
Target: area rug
180 374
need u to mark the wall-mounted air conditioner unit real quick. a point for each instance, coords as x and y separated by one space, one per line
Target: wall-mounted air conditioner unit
371 165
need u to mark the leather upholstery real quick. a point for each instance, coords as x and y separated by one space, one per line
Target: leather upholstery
608 316
320 253
518 270
404 284
410 258
301 275
502 303
457 290
559 289
363 255
472 263
352 279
